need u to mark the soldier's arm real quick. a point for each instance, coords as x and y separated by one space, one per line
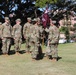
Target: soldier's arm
56 37
21 31
2 32
13 31
24 31
41 29
47 30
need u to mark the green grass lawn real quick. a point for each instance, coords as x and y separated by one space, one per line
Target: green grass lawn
23 65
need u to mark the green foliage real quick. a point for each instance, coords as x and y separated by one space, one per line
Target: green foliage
42 3
75 25
65 30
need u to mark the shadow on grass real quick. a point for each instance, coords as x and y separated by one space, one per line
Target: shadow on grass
22 51
1 52
12 52
41 54
0 48
59 58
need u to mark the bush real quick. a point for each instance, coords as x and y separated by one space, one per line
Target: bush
65 30
75 25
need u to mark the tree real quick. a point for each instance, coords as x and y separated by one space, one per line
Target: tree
59 7
17 9
43 3
66 32
22 8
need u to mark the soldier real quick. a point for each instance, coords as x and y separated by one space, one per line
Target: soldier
0 35
17 35
53 39
26 34
35 36
41 30
6 36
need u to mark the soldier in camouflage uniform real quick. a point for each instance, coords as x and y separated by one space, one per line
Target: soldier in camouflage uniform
6 36
26 34
0 35
53 39
35 36
1 30
41 30
17 35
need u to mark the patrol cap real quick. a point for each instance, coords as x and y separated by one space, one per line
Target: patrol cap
7 18
38 19
28 18
35 19
0 23
18 20
53 22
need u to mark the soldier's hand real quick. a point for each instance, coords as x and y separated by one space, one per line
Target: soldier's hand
1 37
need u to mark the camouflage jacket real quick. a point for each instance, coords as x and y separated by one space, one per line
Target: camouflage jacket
53 34
6 30
36 31
27 29
17 31
1 27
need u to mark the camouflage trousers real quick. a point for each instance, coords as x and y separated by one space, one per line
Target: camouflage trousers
0 43
34 49
17 44
52 50
28 44
6 42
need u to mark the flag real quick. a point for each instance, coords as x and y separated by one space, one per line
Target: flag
45 19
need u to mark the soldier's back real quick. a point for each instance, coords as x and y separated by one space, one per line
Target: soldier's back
55 34
26 29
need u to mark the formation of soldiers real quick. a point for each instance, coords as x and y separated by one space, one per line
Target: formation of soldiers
33 34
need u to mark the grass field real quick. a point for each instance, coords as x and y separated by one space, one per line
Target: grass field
23 65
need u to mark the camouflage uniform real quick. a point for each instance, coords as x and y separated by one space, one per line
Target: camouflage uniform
53 39
35 36
26 34
1 30
17 36
6 36
0 35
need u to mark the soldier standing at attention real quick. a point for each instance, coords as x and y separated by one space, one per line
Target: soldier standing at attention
35 36
53 39
26 34
0 35
6 36
17 35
